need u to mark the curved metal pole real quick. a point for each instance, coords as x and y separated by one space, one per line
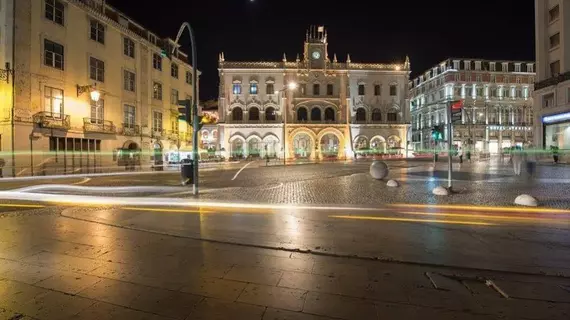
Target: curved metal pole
195 119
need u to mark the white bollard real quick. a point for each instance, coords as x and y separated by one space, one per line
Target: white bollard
378 170
392 183
440 191
526 200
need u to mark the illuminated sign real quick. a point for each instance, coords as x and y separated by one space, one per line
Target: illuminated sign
556 118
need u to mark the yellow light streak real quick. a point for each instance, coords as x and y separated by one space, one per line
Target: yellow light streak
482 208
14 205
484 216
165 210
223 211
414 220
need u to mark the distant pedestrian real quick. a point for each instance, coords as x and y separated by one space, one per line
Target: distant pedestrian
517 159
531 158
555 155
460 153
468 154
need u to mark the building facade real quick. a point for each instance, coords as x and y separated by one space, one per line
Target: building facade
497 104
314 107
88 89
552 89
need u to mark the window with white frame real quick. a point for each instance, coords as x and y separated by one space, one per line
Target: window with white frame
97 111
156 61
173 96
97 31
53 101
129 116
517 67
157 91
530 67
174 70
96 69
129 80
157 121
456 65
189 77
55 11
467 64
492 66
128 47
53 54
477 65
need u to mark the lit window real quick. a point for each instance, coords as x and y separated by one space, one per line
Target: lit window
157 61
157 91
53 101
174 70
188 77
236 88
253 88
129 80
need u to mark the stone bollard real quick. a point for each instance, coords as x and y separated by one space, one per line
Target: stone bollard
392 183
440 191
378 170
526 200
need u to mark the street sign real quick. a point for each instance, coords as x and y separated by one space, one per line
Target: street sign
456 111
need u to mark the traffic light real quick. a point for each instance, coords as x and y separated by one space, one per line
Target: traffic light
437 133
184 110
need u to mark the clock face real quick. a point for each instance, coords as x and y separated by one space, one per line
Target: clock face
316 55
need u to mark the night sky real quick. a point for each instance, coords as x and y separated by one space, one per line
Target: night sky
371 31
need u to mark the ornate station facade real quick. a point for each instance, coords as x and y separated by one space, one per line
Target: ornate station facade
312 108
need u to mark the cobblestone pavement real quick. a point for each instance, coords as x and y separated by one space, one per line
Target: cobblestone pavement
53 267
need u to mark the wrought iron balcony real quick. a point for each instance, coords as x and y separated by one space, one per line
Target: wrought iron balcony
552 81
129 129
173 135
46 119
98 125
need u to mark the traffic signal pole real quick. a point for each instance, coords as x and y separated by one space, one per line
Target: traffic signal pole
194 103
449 143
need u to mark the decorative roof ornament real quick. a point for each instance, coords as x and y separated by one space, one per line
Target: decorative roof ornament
407 63
284 57
298 58
334 58
348 58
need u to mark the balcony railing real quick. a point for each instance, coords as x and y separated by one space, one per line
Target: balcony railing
46 119
98 125
552 81
172 135
129 129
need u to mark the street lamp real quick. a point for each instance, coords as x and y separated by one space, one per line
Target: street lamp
93 92
290 86
194 102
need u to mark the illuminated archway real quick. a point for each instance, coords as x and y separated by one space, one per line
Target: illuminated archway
301 144
331 143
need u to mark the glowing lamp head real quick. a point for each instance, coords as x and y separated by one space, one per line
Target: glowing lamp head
95 94
292 85
276 92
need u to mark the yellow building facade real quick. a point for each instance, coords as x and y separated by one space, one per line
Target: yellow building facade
87 90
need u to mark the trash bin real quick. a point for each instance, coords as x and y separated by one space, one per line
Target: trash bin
187 171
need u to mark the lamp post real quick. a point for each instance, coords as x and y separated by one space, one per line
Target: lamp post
194 102
290 86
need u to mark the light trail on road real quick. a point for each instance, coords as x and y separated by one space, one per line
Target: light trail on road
414 220
490 217
240 170
482 208
17 205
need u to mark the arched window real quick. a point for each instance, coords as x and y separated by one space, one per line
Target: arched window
302 114
237 114
270 114
315 114
360 114
329 114
376 115
253 114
